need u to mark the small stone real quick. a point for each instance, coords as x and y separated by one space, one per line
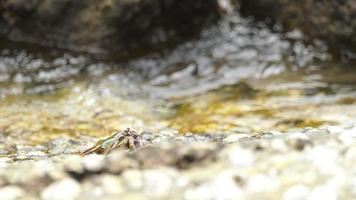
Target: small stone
11 192
261 183
348 136
4 162
225 187
299 141
24 149
201 192
296 192
93 162
324 159
335 129
279 145
102 185
64 189
157 183
74 163
133 179
324 192
58 145
235 138
240 158
36 155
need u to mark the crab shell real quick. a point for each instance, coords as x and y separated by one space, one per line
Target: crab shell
127 139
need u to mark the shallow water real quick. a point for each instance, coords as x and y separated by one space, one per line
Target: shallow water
238 78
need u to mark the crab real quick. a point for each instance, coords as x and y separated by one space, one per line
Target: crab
128 139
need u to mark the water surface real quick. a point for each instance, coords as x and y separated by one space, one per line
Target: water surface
240 77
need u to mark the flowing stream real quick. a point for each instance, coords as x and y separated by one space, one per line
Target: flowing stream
239 77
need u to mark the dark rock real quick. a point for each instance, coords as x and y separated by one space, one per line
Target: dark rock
332 21
118 27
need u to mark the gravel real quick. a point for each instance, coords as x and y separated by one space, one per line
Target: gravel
315 163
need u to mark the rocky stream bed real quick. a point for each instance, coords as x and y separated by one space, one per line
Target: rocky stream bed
240 113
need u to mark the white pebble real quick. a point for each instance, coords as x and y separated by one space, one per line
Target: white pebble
11 192
64 189
323 158
261 183
296 192
335 129
225 187
235 137
201 192
323 192
133 179
156 183
93 162
241 158
102 185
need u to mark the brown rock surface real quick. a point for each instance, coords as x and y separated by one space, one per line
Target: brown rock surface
332 21
119 27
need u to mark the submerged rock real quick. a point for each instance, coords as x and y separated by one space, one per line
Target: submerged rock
119 27
331 21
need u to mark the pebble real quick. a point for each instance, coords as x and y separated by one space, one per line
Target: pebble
324 192
24 149
93 162
261 183
224 187
133 179
335 129
157 184
240 158
296 192
201 192
299 141
11 192
266 172
348 136
102 185
64 189
323 158
4 162
58 145
235 137
36 155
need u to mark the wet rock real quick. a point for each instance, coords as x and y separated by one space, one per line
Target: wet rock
331 21
62 145
122 27
63 189
11 192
